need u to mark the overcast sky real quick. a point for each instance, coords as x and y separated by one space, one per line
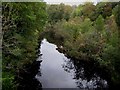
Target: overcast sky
76 2
70 2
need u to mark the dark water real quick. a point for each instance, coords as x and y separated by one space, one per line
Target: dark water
57 71
25 77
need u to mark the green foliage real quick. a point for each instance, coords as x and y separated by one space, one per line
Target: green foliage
7 81
87 9
58 12
92 32
77 11
22 24
117 14
84 10
93 11
85 32
99 23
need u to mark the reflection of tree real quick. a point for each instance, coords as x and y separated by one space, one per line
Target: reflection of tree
87 74
68 65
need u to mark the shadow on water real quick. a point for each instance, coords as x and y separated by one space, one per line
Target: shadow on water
87 74
25 77
57 71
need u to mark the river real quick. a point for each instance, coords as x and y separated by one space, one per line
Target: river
58 71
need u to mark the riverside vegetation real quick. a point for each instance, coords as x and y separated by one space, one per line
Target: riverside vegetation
85 32
22 24
88 32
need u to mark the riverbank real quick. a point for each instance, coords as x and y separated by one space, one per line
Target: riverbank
21 28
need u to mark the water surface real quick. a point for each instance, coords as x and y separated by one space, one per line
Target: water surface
57 71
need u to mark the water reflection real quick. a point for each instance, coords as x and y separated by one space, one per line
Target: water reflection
57 71
52 73
86 74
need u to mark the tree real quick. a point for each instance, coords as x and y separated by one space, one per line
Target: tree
99 23
88 8
58 12
117 14
78 11
67 12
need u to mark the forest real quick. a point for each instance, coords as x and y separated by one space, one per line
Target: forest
22 24
86 32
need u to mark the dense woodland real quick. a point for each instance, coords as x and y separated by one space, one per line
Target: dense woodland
84 32
22 24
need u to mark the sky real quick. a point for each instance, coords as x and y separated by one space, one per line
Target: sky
76 2
70 2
